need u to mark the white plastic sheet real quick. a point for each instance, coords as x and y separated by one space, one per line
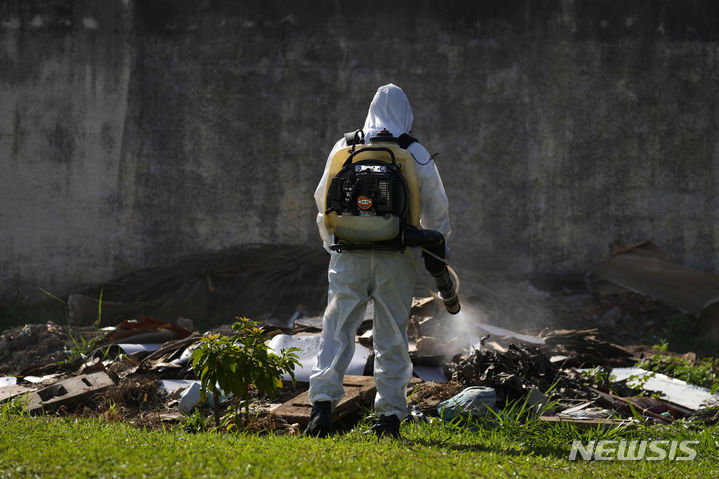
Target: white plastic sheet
170 385
8 381
502 333
136 348
429 373
310 346
672 389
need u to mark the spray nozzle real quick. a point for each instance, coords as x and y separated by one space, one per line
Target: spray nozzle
447 291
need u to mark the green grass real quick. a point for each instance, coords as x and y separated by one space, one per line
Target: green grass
67 447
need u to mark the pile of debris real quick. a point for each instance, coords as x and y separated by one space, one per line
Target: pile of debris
122 375
515 373
139 369
32 344
582 348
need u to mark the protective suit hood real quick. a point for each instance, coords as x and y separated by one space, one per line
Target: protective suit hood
389 109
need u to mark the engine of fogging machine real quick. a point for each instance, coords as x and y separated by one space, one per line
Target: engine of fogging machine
434 254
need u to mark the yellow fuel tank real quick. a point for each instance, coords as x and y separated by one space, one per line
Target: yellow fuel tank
373 228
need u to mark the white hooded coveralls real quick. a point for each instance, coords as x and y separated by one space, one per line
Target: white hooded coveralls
387 277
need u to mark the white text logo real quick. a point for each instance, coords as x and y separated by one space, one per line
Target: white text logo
624 450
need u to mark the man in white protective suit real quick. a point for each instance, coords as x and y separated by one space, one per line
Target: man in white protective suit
386 276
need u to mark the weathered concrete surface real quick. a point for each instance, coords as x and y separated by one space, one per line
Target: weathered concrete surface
134 133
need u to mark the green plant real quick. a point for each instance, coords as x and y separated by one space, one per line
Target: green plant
234 364
600 375
195 422
639 381
701 372
112 412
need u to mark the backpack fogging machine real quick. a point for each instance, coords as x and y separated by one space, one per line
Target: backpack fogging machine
372 202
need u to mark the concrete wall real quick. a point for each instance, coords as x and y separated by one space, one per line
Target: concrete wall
134 133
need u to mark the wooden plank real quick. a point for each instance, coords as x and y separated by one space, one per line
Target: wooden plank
590 422
9 392
358 390
69 392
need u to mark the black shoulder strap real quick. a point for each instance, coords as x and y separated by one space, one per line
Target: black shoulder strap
405 140
352 136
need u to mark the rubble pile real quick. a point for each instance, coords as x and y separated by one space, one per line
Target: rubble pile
32 344
583 347
514 373
132 394
146 384
138 370
627 317
428 395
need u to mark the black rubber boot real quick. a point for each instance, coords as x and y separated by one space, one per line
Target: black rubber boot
320 420
386 426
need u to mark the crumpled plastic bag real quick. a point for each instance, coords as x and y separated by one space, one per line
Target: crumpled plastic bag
475 401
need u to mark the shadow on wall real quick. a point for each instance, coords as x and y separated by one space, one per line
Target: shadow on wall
270 284
265 283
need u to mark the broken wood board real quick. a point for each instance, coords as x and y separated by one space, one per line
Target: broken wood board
69 392
589 422
358 389
9 392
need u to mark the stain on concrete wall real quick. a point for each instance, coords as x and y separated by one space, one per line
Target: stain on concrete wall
135 133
